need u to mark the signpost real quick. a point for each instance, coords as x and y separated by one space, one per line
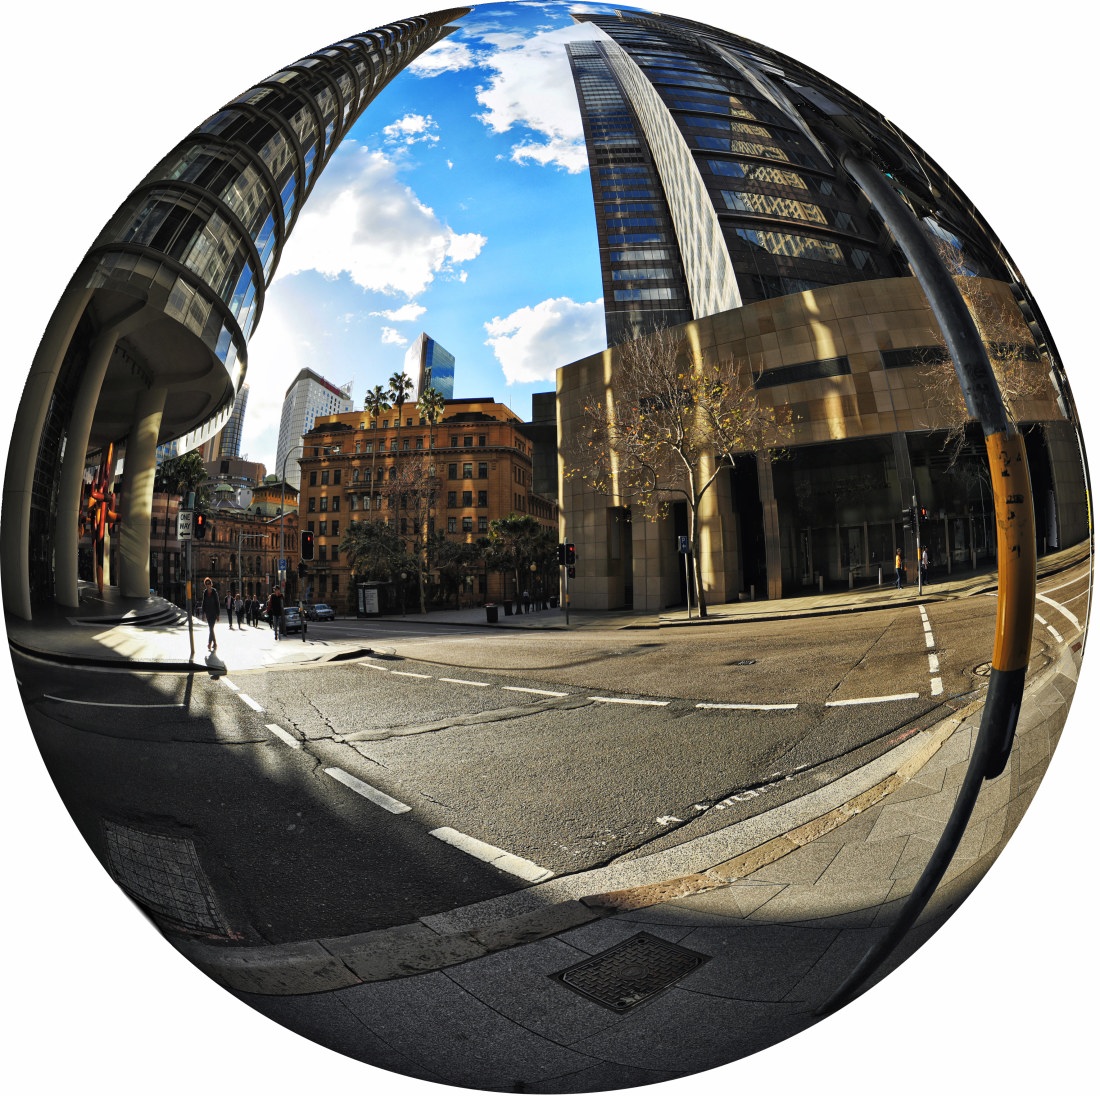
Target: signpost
184 528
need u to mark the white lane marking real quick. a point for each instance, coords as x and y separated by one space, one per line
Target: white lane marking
286 736
249 701
229 685
1050 628
627 700
490 854
1061 608
463 681
937 686
364 789
536 692
371 666
871 700
929 640
105 703
750 707
933 663
409 673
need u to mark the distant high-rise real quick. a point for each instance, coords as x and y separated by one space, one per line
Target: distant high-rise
430 366
231 433
308 396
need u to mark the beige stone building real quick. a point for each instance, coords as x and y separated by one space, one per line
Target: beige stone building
853 363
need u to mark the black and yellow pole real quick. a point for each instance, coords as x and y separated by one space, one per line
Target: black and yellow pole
1015 517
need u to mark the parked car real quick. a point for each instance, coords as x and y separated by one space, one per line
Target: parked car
292 619
321 611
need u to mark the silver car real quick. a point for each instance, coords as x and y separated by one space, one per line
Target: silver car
321 611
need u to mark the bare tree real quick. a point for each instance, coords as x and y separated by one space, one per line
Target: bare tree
672 422
1017 365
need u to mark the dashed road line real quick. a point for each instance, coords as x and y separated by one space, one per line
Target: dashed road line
368 791
749 707
535 692
249 701
871 700
1050 628
935 681
229 685
629 700
286 736
1061 608
371 666
463 681
490 854
409 673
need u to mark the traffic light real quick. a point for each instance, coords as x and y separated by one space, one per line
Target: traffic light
302 570
923 514
909 514
198 526
307 544
561 555
572 572
570 555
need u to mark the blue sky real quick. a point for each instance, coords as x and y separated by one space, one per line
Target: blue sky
459 204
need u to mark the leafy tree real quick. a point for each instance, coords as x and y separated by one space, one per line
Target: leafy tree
517 541
374 550
673 422
454 560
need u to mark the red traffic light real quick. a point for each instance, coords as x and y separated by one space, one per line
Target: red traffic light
198 526
307 544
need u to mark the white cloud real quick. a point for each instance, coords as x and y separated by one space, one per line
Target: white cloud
445 56
412 129
365 223
532 87
535 340
407 313
392 335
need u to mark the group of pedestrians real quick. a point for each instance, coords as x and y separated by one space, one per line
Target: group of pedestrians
239 608
899 568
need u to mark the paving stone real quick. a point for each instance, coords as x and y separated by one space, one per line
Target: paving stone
821 904
431 1018
804 865
519 983
869 862
736 902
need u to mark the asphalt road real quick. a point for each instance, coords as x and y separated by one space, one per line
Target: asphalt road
338 797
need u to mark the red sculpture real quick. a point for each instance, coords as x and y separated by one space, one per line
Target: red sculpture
99 511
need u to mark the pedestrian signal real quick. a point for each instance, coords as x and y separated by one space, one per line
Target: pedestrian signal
198 526
570 555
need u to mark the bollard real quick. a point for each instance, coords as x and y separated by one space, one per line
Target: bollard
821 584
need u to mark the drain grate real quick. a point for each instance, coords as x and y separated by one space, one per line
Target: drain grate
164 875
631 972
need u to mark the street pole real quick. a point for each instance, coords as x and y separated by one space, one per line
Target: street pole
190 606
282 513
920 571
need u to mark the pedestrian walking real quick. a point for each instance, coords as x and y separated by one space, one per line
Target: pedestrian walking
924 565
210 607
254 610
228 606
238 608
899 569
526 602
275 608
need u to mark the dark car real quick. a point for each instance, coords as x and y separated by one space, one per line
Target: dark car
321 611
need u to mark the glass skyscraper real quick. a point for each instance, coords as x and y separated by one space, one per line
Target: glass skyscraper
430 366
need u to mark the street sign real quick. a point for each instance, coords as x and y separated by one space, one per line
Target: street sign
282 565
684 545
183 524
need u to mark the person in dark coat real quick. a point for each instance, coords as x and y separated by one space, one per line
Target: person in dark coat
211 609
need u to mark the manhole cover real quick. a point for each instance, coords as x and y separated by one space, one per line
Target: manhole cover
631 972
163 874
984 669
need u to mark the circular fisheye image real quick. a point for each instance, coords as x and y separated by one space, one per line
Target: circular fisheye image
545 547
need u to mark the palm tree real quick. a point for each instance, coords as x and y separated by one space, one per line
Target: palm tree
377 401
401 387
430 405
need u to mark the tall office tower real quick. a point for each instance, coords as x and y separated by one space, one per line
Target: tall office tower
308 396
160 311
430 366
230 436
711 189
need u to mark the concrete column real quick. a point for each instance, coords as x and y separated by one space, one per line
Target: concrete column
138 474
773 553
71 487
23 453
